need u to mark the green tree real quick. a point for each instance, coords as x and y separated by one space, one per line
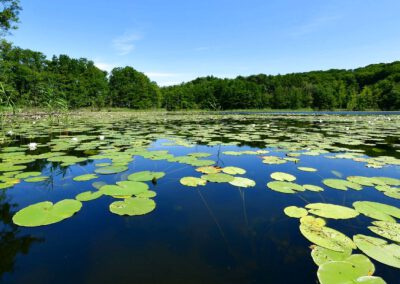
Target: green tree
9 11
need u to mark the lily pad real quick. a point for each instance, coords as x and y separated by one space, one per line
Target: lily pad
109 170
378 211
295 212
327 237
243 182
387 230
46 213
85 177
88 195
234 171
307 169
311 187
322 255
346 271
219 177
341 184
285 187
193 181
379 250
283 176
133 206
331 211
146 176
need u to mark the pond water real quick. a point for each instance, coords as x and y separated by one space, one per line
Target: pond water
225 230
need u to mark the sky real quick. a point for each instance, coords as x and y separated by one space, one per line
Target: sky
176 41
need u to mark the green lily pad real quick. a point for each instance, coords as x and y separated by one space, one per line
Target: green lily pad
36 179
341 184
322 255
331 211
311 187
327 237
234 171
88 195
147 194
295 212
208 170
387 230
346 271
285 187
133 206
146 176
109 170
193 181
366 181
378 211
307 169
283 176
27 175
243 182
219 177
85 177
46 213
124 188
379 250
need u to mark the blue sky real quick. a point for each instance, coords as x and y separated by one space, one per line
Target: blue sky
178 40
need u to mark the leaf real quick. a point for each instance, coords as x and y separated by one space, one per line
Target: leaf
133 206
233 170
379 250
192 181
341 184
283 176
387 230
46 213
108 170
85 177
327 237
146 176
88 195
284 186
243 182
331 211
295 212
346 271
376 210
219 177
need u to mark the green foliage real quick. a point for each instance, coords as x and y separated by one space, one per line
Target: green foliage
372 87
9 10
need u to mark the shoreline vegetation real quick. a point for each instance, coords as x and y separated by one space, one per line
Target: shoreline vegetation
30 80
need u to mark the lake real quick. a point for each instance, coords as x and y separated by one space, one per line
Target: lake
223 225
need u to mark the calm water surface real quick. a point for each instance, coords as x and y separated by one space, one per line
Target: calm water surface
213 234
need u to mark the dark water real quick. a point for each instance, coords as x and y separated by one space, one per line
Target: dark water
212 234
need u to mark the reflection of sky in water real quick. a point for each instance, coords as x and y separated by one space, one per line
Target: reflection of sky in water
212 234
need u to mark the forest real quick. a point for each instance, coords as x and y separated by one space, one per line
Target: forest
29 79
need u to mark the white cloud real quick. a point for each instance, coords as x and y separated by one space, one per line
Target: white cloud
161 74
125 44
105 66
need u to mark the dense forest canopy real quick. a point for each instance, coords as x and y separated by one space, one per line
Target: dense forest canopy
29 79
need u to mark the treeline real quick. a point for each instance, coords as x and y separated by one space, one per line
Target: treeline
373 87
29 79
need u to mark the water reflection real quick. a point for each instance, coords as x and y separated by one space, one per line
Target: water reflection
12 242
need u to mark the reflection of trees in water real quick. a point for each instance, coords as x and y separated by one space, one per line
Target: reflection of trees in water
11 241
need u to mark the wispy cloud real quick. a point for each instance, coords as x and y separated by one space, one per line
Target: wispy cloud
315 25
125 44
104 66
161 74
